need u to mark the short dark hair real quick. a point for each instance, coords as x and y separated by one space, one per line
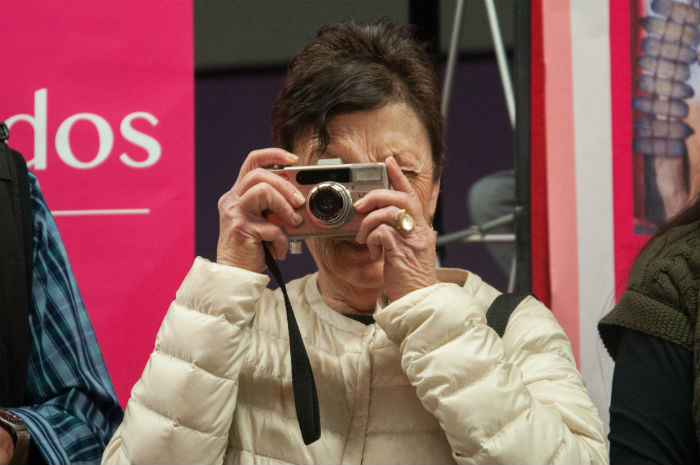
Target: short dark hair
350 67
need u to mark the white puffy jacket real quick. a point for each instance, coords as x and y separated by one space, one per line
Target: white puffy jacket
430 382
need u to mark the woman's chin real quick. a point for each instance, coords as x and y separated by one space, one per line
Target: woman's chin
355 259
353 252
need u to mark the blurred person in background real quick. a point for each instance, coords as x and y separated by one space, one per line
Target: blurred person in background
653 336
57 402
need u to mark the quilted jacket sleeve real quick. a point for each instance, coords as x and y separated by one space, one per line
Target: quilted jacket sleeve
181 408
519 399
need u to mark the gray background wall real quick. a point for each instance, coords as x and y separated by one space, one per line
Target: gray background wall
244 34
241 48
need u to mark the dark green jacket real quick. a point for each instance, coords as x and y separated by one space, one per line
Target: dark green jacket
661 298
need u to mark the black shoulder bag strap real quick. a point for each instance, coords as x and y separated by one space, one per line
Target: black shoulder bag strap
303 384
15 273
500 310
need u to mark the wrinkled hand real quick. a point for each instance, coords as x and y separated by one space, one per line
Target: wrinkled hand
409 257
7 447
242 226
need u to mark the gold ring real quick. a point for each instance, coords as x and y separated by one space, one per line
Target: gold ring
404 221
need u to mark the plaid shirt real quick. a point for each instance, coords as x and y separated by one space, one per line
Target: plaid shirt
73 410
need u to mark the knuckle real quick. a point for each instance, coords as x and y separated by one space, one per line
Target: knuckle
254 153
223 200
281 237
260 189
267 191
258 173
384 229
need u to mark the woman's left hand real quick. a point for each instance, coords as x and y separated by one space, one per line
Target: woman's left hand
409 257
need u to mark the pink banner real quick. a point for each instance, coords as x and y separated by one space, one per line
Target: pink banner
560 169
627 243
99 99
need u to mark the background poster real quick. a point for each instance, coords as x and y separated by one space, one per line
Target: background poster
656 116
666 109
99 100
598 216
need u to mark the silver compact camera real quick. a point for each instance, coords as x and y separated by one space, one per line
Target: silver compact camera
330 189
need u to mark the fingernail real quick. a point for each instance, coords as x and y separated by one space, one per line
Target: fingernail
298 219
359 203
299 199
292 158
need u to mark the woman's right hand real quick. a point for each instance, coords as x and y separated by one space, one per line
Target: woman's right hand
257 191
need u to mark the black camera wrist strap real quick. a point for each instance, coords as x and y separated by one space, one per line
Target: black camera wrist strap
303 385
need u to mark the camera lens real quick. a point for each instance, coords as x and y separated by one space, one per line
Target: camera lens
330 204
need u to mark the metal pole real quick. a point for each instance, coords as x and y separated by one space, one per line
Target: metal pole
452 57
501 58
512 274
476 230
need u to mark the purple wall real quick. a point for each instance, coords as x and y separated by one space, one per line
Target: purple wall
232 117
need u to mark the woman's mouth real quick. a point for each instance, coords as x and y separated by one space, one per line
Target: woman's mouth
353 245
356 246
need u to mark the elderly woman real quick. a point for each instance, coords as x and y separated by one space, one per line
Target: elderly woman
429 382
